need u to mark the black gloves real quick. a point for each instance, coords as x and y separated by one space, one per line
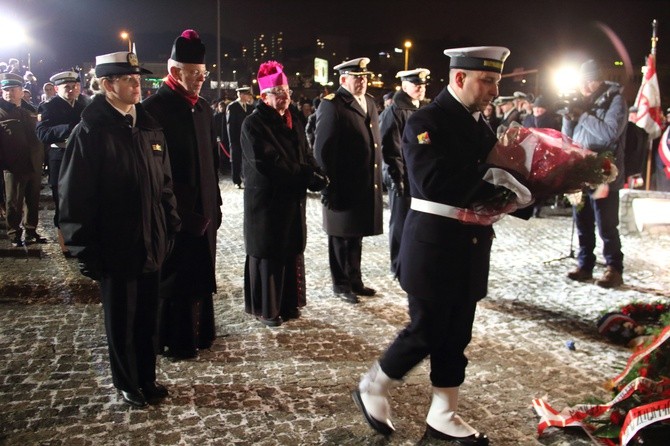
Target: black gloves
318 182
325 201
399 189
90 271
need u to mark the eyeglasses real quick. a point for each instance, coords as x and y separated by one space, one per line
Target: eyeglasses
197 73
128 78
71 85
281 93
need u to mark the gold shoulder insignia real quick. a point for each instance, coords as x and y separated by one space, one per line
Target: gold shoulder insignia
156 147
329 97
423 138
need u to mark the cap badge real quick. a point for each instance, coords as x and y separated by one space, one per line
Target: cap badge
362 64
132 60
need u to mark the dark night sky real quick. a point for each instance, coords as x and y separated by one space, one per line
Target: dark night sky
539 33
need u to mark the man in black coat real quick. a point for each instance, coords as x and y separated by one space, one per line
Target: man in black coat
236 112
444 263
347 147
187 279
23 158
57 118
279 169
509 112
118 216
392 123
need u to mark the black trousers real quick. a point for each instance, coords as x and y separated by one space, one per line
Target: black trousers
236 163
399 209
131 308
344 256
54 171
441 329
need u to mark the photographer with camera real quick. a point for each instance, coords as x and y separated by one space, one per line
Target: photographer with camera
598 123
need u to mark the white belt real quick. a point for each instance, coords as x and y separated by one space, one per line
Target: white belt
432 207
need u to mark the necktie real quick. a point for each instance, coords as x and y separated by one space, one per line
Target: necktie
362 103
129 120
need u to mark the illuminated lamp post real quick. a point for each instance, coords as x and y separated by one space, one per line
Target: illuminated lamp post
408 45
126 36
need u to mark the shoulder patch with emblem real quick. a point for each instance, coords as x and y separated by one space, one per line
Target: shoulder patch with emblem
156 147
329 97
423 138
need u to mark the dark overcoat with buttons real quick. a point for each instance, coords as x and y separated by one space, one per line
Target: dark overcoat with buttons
440 257
279 169
194 156
348 149
117 207
57 119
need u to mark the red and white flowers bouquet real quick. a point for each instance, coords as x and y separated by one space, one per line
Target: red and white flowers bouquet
534 163
551 162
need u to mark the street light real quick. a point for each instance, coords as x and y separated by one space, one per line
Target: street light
126 36
12 33
408 45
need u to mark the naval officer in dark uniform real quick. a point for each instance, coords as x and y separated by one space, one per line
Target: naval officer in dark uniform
57 118
119 216
392 123
444 263
348 149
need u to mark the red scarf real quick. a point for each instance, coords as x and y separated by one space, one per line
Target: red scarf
174 85
287 119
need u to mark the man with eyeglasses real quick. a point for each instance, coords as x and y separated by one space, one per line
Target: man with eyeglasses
348 149
187 282
118 216
279 170
57 118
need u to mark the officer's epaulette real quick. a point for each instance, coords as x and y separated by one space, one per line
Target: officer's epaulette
329 97
369 95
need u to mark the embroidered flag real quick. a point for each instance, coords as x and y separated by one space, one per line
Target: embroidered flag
648 101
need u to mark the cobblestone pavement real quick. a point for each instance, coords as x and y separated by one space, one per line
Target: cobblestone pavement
291 385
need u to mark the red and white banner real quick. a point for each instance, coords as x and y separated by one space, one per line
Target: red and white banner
640 354
643 416
664 151
648 101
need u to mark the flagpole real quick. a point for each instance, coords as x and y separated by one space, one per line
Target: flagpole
654 39
650 153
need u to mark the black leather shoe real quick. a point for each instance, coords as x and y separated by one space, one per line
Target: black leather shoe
478 439
135 399
154 392
180 355
348 297
364 291
374 423
34 237
17 242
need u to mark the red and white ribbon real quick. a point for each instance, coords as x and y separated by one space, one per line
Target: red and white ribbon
639 355
643 416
